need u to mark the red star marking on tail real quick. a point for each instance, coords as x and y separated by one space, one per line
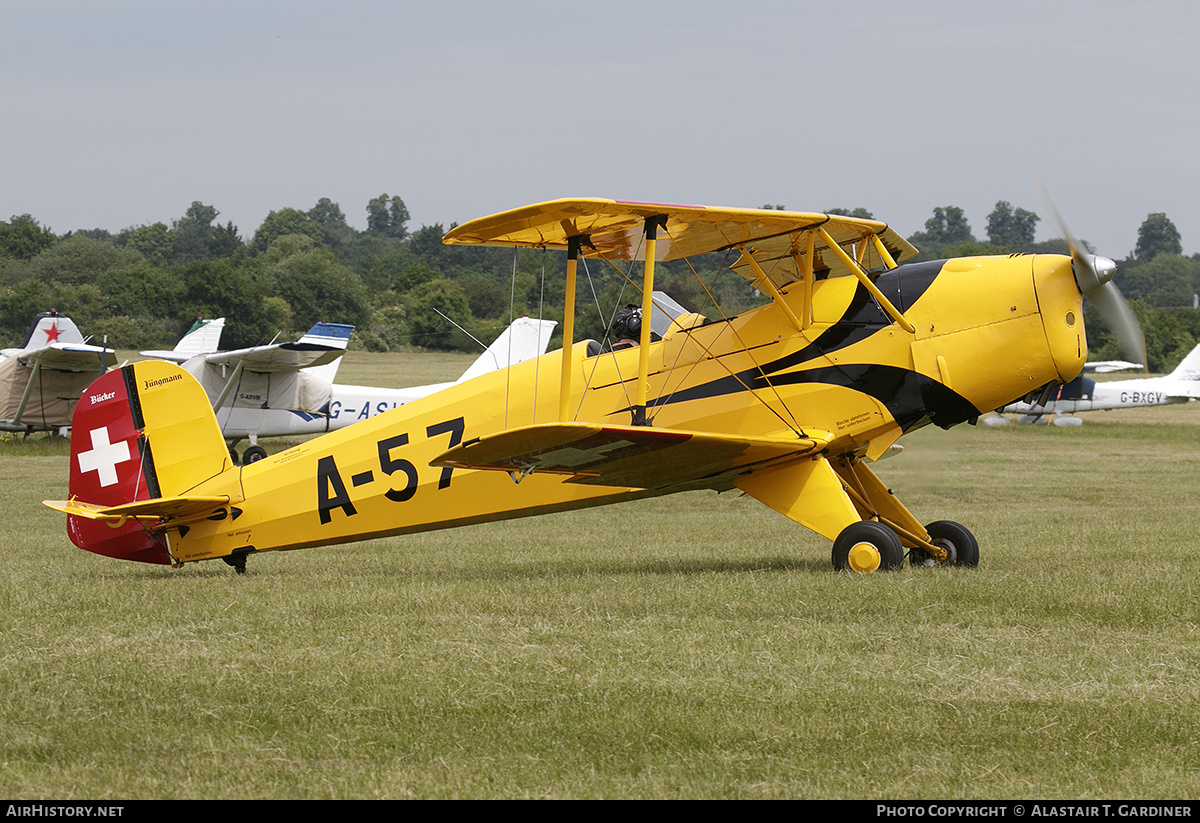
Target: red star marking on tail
52 333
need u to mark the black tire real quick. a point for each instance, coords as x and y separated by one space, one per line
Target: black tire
253 454
867 547
233 455
961 547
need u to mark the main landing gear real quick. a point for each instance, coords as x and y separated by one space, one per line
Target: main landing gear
867 547
959 544
870 546
252 454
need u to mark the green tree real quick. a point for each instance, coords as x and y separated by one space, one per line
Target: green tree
427 241
487 296
283 222
948 225
428 306
1165 281
387 216
78 259
946 228
336 232
19 305
196 237
138 289
859 212
315 285
1012 228
1157 235
154 242
222 288
23 238
413 275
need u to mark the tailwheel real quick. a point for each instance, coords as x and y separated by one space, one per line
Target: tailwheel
237 559
960 545
867 547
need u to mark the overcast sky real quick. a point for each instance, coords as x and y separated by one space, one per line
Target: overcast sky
116 114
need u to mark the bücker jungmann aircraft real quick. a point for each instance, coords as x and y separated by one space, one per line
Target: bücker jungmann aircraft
788 402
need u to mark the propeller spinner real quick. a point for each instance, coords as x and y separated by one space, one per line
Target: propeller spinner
1093 276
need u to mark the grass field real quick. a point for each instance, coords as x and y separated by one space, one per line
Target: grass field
693 646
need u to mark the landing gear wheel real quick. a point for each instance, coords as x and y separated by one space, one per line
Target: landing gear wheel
867 547
233 455
960 545
253 455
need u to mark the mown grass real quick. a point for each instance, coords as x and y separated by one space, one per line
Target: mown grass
692 646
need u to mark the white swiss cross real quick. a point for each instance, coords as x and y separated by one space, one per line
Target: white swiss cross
104 456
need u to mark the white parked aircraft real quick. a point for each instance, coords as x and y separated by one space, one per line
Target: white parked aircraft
287 389
1084 394
43 378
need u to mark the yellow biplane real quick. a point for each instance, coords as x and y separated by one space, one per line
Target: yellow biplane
788 402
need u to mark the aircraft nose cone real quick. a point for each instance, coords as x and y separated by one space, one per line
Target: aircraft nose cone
1105 268
1092 271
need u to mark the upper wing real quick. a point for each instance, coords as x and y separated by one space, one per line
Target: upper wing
614 230
78 357
278 357
39 388
631 456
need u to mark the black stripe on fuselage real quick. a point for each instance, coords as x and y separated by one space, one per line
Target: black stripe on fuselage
911 398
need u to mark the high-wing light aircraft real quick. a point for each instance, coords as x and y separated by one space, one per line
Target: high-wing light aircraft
42 379
287 389
258 391
788 402
1084 394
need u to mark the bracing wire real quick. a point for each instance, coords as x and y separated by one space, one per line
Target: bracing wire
794 425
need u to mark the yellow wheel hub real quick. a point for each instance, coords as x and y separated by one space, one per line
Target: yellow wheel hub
864 558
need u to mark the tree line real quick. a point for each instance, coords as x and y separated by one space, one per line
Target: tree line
142 287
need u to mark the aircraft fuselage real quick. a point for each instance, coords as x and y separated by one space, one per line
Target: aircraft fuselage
987 331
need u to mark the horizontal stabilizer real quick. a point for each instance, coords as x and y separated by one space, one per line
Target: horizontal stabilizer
175 510
628 456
